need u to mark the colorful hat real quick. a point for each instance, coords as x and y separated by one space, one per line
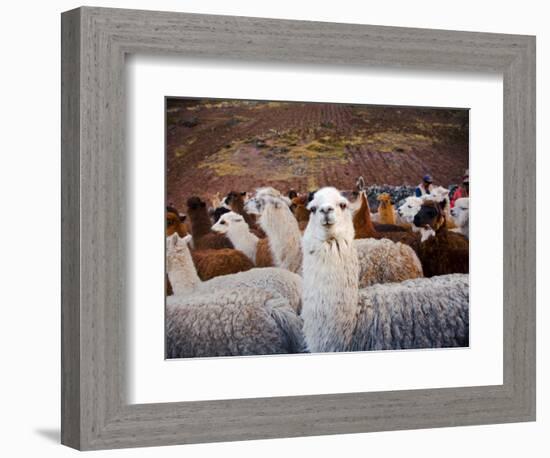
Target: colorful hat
427 178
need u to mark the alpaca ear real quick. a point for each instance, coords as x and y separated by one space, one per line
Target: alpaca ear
172 241
243 193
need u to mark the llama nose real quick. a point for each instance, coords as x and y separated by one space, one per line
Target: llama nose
326 210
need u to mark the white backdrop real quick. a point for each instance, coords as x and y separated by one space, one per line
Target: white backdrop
29 233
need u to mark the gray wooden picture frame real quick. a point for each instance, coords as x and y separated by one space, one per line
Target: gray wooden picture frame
95 411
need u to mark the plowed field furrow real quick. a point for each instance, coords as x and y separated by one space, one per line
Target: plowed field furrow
216 146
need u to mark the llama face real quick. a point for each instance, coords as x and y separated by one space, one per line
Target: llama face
460 212
430 216
230 221
263 198
234 198
174 223
409 208
439 194
330 216
384 199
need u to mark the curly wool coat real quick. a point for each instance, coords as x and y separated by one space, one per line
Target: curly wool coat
239 322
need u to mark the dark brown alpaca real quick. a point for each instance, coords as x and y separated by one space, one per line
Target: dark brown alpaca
203 236
443 253
235 200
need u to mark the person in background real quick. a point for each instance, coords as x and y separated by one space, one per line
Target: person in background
463 190
425 187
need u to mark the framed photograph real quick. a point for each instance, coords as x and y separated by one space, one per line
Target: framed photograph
266 228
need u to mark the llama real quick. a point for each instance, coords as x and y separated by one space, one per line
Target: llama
203 237
233 322
224 261
440 251
441 195
280 226
175 223
235 201
461 215
301 213
408 209
386 210
237 230
185 280
338 316
384 261
363 219
381 261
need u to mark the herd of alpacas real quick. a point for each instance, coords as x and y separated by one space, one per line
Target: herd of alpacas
271 273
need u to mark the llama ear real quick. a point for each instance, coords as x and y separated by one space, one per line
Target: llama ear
172 241
243 193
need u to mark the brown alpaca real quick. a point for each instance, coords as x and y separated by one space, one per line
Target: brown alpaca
364 226
175 223
445 252
235 200
386 210
301 213
214 263
203 236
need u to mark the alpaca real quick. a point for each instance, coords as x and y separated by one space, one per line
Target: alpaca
386 210
233 322
301 213
175 223
440 251
185 280
237 230
364 226
203 237
224 261
441 195
461 215
338 316
280 226
235 201
409 209
384 261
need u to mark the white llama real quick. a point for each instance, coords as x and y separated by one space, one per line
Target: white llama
338 316
238 232
461 215
185 281
280 225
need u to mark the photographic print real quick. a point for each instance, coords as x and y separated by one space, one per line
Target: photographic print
302 227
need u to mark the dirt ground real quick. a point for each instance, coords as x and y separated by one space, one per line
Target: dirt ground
222 145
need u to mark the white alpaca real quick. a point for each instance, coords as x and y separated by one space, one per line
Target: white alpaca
461 215
185 281
409 209
339 317
238 232
280 225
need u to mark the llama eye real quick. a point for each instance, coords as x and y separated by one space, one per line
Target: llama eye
313 209
343 205
222 222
